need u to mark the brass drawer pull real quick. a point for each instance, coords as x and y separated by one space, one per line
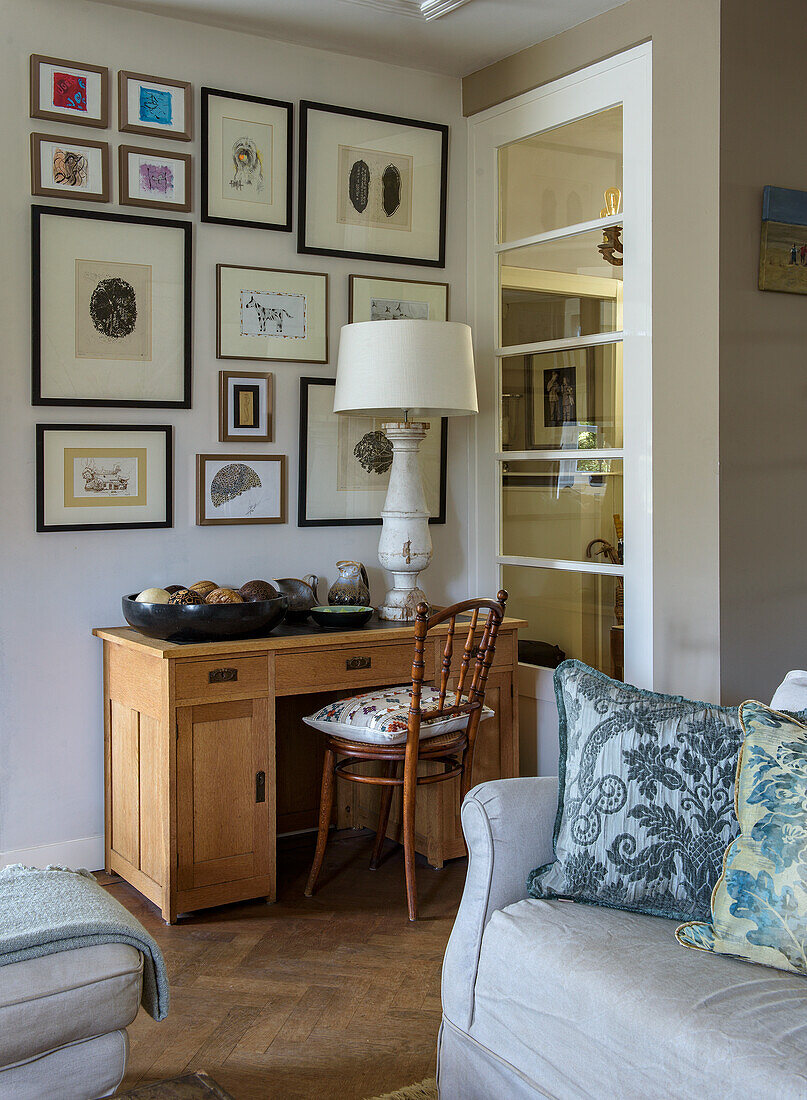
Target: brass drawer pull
353 663
222 675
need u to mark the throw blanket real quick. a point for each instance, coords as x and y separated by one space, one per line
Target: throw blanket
44 912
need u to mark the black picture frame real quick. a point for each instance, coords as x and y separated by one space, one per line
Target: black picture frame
284 227
307 106
302 479
168 521
186 227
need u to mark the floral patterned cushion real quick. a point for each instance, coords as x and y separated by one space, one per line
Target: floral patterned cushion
646 797
759 906
380 717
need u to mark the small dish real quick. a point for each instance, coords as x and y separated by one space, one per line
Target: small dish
341 617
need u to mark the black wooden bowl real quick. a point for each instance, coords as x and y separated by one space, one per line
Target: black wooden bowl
343 617
203 622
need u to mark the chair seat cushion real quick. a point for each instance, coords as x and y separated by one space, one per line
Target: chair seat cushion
594 1002
380 717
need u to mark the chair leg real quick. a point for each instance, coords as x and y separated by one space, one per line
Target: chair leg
325 810
467 776
409 792
383 816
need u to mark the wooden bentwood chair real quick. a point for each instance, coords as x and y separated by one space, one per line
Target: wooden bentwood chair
454 750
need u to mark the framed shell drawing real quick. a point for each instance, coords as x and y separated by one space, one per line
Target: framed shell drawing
240 488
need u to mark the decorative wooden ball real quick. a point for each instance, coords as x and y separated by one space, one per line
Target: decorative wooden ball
254 591
153 595
203 587
224 595
185 596
172 588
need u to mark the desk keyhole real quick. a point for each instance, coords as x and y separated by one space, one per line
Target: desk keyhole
260 787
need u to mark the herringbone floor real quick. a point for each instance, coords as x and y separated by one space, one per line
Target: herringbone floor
336 997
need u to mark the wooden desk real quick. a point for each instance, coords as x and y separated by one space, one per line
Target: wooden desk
206 757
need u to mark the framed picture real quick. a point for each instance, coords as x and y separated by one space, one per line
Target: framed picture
783 246
64 168
154 105
345 463
373 299
104 477
111 315
246 160
263 313
155 178
246 407
69 91
240 489
372 186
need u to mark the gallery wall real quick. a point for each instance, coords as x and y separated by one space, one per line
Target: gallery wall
57 586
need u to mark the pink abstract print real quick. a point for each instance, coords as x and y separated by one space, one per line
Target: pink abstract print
70 92
156 179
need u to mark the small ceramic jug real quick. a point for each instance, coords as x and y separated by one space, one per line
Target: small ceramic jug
302 595
351 586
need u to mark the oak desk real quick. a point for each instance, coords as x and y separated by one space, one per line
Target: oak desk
207 760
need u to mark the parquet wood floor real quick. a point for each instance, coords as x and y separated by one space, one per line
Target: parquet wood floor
336 997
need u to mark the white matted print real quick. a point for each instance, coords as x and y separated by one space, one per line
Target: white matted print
275 315
155 178
113 311
374 299
155 105
65 168
69 91
240 489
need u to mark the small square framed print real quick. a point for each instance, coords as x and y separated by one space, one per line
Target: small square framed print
374 299
69 91
68 169
154 178
263 313
103 477
155 105
240 489
246 412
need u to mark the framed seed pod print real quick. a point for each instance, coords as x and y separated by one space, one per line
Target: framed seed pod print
240 489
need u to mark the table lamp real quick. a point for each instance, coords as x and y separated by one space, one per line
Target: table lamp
405 371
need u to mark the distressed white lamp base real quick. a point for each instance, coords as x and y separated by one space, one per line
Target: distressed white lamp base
405 546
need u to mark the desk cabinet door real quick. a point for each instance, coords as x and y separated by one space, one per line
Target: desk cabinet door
224 792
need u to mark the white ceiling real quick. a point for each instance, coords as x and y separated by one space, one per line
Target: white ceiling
474 35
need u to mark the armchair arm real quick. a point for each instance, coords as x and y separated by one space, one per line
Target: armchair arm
508 826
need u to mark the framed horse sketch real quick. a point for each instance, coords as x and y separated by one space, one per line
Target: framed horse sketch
277 316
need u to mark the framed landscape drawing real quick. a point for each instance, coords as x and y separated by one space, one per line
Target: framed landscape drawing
154 178
372 186
155 106
280 316
111 310
345 463
246 160
246 407
65 168
373 299
69 91
240 489
783 246
103 477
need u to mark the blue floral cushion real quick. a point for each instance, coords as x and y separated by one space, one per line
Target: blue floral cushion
645 809
759 906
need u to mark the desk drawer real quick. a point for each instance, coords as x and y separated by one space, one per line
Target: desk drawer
345 668
222 678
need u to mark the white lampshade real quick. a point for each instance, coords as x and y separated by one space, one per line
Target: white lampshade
424 368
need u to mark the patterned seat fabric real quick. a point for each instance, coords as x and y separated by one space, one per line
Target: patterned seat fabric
380 717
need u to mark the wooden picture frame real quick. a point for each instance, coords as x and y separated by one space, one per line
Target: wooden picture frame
239 491
59 471
361 298
95 109
73 174
272 121
258 389
149 123
157 180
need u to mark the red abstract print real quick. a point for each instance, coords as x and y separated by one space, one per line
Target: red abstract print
70 91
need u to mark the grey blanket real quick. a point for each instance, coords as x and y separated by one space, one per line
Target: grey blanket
43 912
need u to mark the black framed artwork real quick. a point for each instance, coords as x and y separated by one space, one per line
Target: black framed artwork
104 477
111 310
345 462
247 156
371 186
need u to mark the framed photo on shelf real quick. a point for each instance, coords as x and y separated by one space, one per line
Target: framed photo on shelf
240 489
345 463
279 316
66 168
155 105
69 91
373 299
247 149
372 186
103 477
154 178
246 407
111 310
